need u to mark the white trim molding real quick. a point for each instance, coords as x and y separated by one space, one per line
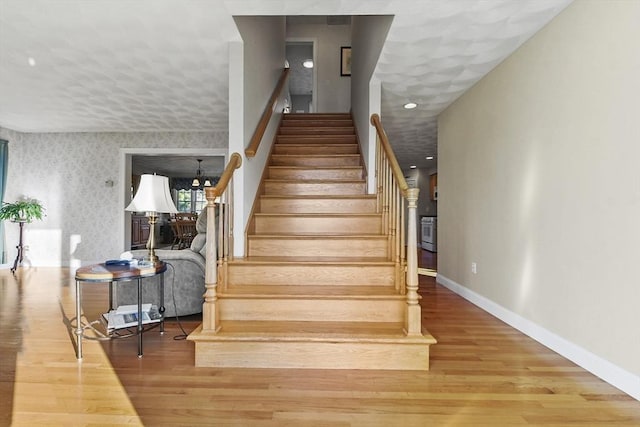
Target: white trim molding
602 368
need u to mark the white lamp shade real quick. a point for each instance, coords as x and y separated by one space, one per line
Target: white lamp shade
153 196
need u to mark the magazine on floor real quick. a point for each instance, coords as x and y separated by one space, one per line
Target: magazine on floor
126 316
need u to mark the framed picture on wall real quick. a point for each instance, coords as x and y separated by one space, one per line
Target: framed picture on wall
345 61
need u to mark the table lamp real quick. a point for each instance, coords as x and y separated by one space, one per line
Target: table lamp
153 197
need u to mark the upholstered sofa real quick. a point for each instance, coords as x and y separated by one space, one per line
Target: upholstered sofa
183 281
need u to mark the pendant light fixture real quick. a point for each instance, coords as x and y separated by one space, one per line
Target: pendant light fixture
199 178
196 181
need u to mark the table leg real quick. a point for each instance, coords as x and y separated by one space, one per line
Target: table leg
78 320
110 296
139 317
161 309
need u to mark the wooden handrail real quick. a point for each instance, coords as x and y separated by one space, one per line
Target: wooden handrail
251 150
234 163
384 142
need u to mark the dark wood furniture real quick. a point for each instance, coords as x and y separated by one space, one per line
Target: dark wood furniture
139 231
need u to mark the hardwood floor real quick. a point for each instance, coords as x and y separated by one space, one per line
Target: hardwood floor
483 373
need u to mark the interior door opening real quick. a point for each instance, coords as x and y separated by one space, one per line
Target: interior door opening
300 55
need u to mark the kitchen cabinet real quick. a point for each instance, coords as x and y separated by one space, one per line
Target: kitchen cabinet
433 186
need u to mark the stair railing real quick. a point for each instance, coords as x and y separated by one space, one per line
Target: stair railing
392 191
219 244
251 150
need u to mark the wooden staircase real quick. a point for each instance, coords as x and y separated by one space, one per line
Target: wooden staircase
318 287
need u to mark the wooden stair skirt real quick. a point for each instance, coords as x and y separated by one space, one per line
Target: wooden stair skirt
317 288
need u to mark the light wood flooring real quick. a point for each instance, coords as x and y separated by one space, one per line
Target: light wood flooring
483 373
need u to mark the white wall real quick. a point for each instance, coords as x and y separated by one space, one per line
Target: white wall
368 36
539 185
261 64
333 92
67 172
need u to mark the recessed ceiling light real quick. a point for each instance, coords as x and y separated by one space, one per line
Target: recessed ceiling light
410 105
429 157
308 63
413 166
31 61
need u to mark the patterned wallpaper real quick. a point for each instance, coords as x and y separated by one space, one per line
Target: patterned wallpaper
67 172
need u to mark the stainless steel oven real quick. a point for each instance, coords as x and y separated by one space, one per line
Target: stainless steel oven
429 233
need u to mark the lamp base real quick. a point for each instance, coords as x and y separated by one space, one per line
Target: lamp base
151 243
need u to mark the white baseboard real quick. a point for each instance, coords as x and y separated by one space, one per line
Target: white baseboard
607 371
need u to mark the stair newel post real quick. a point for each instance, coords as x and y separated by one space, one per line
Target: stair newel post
210 309
413 321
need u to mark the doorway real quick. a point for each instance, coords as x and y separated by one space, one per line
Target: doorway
165 154
300 55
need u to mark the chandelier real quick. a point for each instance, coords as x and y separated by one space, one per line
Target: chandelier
200 178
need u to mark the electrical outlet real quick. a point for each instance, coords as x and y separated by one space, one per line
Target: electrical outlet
474 268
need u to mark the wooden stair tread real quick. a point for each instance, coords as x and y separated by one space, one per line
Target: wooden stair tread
328 139
319 196
251 330
316 292
310 260
333 156
319 144
309 116
339 167
306 126
324 235
317 215
315 181
318 123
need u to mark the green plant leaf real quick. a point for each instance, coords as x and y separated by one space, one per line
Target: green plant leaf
25 209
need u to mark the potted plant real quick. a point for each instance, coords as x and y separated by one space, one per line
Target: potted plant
23 210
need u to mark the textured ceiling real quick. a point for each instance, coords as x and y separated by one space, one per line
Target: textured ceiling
125 65
116 65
